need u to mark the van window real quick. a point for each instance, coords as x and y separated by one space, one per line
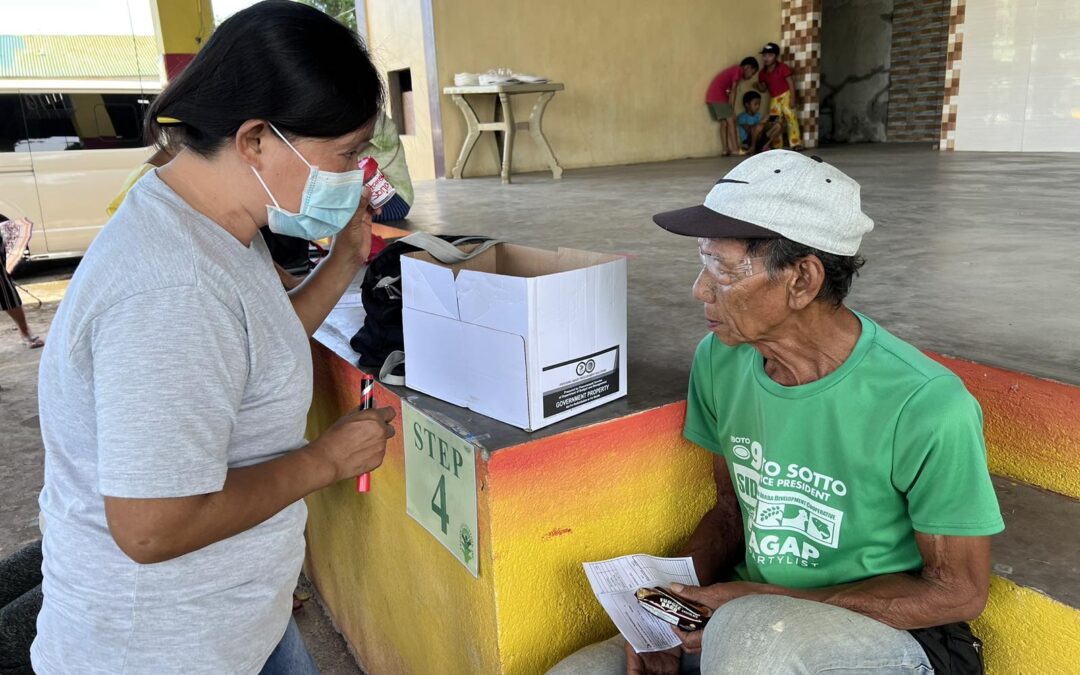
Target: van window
83 121
11 122
122 115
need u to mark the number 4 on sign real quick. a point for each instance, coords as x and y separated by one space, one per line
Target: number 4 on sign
440 484
438 504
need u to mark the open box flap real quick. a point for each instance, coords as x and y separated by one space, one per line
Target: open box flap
572 258
495 301
428 287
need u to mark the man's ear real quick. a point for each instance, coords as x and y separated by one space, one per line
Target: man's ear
249 141
806 281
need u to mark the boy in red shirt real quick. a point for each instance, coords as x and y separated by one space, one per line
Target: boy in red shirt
720 98
776 77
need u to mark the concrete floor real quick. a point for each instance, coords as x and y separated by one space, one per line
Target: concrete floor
974 255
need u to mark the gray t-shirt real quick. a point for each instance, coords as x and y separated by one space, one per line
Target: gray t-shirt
174 356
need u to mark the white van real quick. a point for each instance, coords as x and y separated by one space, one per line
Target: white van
65 149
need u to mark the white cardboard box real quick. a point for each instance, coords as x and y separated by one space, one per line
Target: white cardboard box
526 336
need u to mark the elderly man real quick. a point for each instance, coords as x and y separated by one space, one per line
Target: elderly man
854 507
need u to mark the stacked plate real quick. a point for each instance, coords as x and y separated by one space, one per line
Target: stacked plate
496 76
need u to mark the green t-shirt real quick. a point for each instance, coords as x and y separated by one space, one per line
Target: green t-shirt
835 477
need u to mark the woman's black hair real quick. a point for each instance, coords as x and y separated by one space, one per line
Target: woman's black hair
278 60
750 61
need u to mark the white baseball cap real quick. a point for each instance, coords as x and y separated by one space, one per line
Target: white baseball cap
779 193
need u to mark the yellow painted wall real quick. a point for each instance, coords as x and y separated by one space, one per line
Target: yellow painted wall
1026 632
406 606
182 26
630 485
635 72
403 602
396 40
624 486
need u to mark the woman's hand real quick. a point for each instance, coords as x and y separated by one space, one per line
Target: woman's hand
355 239
155 530
355 444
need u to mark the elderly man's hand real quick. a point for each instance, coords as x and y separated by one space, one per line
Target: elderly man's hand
712 597
652 663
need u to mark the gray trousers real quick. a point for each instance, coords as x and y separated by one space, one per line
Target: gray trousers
777 635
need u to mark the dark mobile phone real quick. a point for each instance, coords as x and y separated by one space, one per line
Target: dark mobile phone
666 606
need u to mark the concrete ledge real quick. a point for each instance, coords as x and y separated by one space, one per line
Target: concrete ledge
1027 632
1032 427
592 493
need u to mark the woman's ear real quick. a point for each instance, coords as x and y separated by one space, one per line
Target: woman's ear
248 141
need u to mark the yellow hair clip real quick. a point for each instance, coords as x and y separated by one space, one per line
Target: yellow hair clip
161 119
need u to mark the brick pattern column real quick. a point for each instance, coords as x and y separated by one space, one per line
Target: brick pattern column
952 75
919 36
800 37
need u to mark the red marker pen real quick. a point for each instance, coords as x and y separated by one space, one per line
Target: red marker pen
367 402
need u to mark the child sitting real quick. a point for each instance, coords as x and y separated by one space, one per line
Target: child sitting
720 99
754 134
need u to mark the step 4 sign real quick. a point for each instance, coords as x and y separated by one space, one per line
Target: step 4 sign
440 484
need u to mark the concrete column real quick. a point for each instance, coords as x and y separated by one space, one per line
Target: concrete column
801 42
181 27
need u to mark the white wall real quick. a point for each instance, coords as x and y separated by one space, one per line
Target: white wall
1020 76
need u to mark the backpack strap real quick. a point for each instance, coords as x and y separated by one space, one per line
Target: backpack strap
444 251
393 361
447 252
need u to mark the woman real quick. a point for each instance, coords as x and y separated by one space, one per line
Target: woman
177 377
10 301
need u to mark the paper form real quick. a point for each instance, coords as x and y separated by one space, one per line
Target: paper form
615 581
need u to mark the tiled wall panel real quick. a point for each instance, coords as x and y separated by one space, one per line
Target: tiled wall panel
1019 77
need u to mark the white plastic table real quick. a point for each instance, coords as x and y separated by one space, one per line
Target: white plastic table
504 125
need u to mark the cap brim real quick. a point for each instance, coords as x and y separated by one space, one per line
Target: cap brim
701 221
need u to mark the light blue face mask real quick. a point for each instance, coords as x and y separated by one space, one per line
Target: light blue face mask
327 204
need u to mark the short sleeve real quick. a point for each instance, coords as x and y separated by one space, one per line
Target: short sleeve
939 462
169 368
785 70
701 426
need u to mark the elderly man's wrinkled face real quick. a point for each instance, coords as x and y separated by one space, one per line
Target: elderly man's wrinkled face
742 304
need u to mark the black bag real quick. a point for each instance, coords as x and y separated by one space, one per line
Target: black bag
952 649
381 335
